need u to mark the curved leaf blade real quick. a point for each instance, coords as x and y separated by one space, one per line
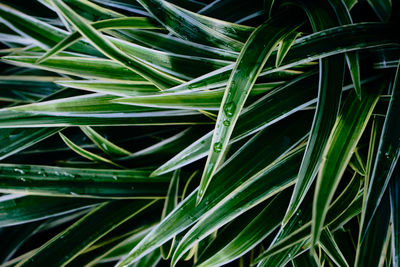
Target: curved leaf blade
341 145
331 76
104 144
85 153
249 65
387 156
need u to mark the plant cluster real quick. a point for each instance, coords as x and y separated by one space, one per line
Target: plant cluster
199 133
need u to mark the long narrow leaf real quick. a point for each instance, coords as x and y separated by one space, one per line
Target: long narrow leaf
80 182
249 64
329 96
337 154
85 153
386 158
104 144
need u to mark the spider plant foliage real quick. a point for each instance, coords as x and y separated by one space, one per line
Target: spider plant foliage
199 133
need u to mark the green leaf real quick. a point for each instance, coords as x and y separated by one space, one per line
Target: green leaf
104 144
80 182
85 67
85 153
205 100
321 16
284 47
250 235
357 163
249 65
69 243
341 145
282 136
269 109
19 209
94 109
169 205
387 156
134 64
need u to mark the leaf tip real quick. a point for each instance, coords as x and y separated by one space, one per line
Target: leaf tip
199 197
154 173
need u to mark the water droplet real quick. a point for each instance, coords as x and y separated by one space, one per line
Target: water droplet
115 177
19 171
73 194
229 109
218 147
202 142
388 154
227 122
22 179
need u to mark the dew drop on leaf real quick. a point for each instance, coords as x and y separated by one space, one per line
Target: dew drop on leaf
229 109
227 122
19 171
218 147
